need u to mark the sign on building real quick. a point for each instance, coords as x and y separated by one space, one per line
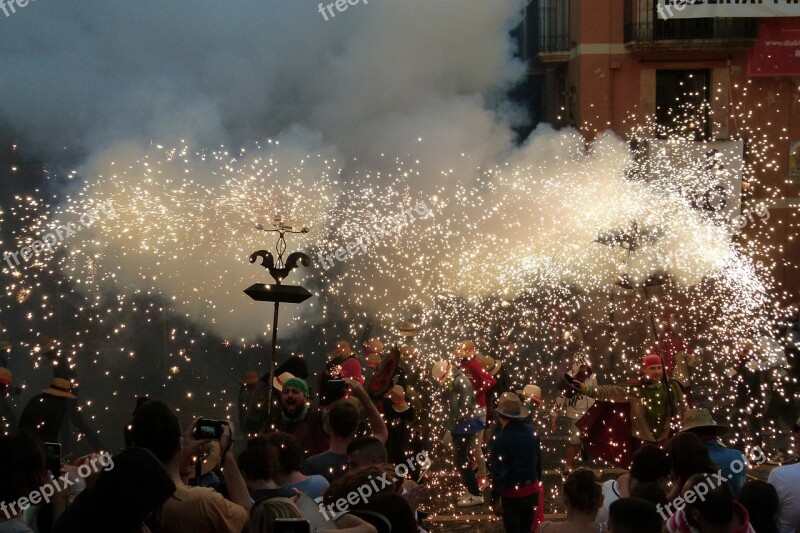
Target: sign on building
688 9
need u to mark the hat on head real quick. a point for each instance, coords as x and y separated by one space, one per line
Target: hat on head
510 406
61 388
297 383
397 395
406 329
650 360
249 378
5 376
491 364
701 419
351 368
279 381
467 347
373 346
532 393
373 360
441 370
341 349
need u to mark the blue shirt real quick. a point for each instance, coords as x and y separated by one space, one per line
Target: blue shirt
728 460
314 486
515 459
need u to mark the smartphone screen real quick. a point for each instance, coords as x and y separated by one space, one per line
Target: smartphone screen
336 389
291 525
52 453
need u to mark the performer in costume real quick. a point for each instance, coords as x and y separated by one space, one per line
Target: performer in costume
651 408
462 423
466 355
574 405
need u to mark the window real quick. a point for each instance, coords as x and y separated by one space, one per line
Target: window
682 103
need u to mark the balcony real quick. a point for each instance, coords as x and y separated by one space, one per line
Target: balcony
554 40
644 31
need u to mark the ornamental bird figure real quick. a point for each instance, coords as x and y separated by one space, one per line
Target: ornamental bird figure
280 273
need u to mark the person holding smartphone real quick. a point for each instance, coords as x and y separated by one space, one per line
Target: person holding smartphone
193 509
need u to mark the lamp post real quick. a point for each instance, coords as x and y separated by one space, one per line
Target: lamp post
277 292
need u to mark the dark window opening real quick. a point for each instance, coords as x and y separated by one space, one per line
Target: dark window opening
682 103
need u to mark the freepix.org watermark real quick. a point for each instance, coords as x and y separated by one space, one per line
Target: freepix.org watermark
372 235
363 493
9 7
710 482
45 492
340 5
59 234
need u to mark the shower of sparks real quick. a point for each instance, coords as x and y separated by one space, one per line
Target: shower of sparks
512 253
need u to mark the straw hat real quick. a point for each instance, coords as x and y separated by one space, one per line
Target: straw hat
491 364
373 346
5 376
466 347
441 370
701 418
532 393
406 329
510 406
372 352
61 388
278 381
397 395
249 378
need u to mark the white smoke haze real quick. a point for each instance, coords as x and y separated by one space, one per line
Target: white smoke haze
199 118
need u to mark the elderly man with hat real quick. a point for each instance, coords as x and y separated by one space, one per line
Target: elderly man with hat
462 423
297 418
516 466
653 406
700 422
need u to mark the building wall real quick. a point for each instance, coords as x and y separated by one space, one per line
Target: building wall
608 86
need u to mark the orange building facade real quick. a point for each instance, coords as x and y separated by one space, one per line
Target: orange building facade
607 64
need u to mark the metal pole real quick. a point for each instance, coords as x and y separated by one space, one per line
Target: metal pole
272 360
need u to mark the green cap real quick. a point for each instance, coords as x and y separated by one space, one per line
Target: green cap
297 383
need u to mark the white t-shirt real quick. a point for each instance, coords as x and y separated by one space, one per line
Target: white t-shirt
786 480
610 495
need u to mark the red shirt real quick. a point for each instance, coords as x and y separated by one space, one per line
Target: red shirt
480 379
